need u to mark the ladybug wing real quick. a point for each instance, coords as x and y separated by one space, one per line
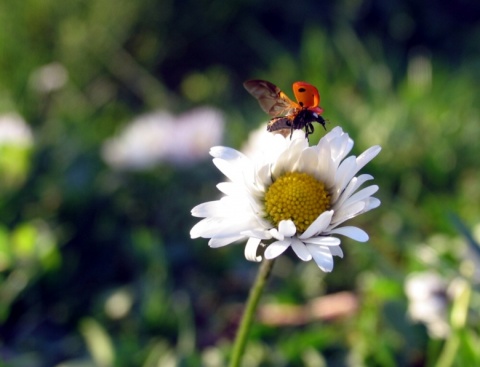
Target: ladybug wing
306 94
280 125
272 100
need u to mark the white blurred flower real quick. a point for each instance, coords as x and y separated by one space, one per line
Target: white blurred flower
15 131
161 137
49 78
290 194
428 302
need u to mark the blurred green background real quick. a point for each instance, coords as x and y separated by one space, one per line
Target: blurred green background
107 112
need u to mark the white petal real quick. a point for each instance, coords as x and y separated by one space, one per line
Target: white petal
284 164
227 206
257 233
237 211
372 203
363 159
251 250
345 172
353 232
240 169
223 241
332 135
287 228
199 228
340 147
361 195
299 135
264 223
276 234
325 171
229 170
230 188
336 251
298 142
222 227
361 179
322 256
335 132
318 225
308 161
277 248
323 241
348 170
347 212
367 156
255 207
365 206
288 159
208 209
339 197
300 249
264 177
225 153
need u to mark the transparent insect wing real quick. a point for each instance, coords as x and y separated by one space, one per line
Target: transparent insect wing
306 94
279 123
272 100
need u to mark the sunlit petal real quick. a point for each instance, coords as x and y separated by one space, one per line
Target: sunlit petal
223 241
251 250
322 256
318 225
277 248
301 250
323 241
354 233
287 228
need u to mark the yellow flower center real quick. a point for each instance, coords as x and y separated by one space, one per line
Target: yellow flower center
296 196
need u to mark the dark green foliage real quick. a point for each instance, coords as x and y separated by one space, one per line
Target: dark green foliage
96 264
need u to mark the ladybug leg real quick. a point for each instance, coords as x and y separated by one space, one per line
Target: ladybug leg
308 129
291 123
321 121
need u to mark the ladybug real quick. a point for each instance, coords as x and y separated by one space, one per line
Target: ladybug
288 115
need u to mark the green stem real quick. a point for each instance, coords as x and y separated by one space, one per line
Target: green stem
449 352
249 313
458 320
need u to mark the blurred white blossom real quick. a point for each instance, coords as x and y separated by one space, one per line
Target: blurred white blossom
16 142
49 78
15 131
428 302
161 137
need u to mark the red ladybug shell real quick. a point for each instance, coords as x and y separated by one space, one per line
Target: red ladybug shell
306 94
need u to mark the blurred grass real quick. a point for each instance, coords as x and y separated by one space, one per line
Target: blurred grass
76 234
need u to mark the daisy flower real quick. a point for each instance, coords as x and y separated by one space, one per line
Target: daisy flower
292 195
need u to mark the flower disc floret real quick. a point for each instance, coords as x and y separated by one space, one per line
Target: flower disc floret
296 196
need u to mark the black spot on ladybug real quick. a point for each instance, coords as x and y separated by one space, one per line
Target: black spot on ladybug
300 103
301 90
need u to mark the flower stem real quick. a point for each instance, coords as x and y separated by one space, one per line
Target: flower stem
249 313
